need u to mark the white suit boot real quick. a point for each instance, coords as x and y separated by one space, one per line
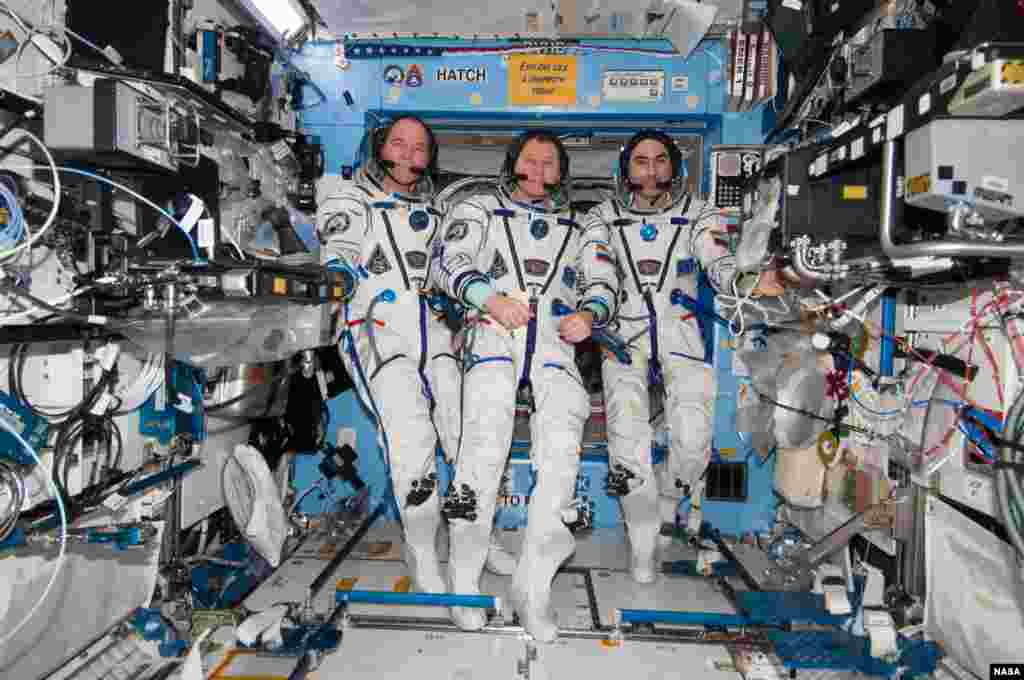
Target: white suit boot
469 541
499 560
547 544
643 522
420 523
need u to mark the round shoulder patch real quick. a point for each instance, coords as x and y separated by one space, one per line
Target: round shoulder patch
419 220
457 230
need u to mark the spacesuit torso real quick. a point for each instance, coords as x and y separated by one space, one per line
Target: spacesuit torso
660 255
539 256
386 239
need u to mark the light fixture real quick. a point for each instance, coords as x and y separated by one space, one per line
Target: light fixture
279 17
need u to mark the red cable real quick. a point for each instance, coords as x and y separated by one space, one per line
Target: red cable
989 354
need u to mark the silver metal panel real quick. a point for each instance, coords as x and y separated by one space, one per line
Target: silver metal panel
990 91
237 332
594 659
367 654
982 154
67 104
617 590
291 581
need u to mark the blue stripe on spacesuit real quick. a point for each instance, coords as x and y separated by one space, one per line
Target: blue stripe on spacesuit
654 374
504 212
688 356
671 248
474 362
558 261
515 254
350 343
531 347
706 297
427 392
560 367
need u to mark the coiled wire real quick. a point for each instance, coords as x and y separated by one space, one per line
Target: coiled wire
11 478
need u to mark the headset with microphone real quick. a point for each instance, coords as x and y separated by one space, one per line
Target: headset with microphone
426 174
675 159
510 178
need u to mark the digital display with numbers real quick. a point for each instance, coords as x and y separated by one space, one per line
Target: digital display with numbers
731 168
729 165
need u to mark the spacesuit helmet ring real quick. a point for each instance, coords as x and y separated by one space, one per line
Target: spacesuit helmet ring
378 168
509 180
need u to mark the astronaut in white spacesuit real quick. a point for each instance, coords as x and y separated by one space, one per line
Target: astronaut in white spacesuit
380 225
661 237
537 283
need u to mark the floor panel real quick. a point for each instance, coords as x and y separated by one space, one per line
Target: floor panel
594 583
407 654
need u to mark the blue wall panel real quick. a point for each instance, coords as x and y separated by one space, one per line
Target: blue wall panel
694 94
340 143
693 86
346 412
358 79
758 513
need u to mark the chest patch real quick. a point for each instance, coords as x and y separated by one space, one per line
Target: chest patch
417 259
378 262
536 267
686 267
649 267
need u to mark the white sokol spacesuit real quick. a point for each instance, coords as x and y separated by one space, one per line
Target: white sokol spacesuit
542 257
659 253
398 352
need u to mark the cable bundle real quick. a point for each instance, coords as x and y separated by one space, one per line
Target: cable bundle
13 231
150 378
11 478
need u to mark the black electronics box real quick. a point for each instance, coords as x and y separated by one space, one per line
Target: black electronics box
839 16
845 205
889 62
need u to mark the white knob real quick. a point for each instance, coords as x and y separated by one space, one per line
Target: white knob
821 342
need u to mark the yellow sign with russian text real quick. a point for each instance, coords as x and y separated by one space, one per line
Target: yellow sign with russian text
542 80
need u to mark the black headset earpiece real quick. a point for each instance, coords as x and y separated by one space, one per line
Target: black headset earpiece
675 156
516 148
380 136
